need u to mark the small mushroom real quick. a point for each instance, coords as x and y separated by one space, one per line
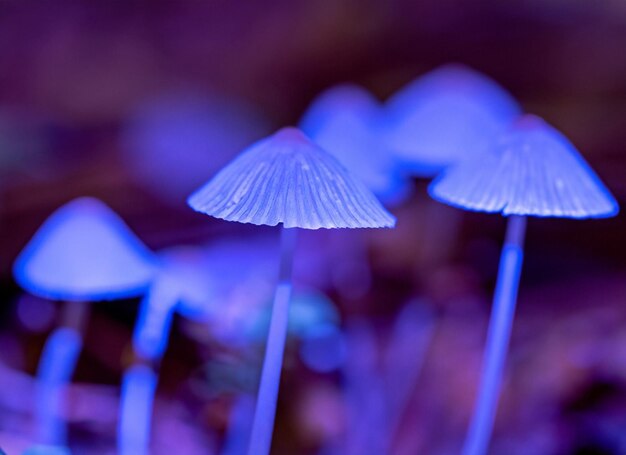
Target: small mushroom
444 116
531 170
83 253
345 120
286 179
178 283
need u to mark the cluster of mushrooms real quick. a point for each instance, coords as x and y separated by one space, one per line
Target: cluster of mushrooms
349 159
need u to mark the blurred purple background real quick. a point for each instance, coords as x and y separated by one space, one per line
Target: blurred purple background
87 91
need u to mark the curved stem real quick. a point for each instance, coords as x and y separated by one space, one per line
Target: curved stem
502 313
152 329
150 339
265 412
54 373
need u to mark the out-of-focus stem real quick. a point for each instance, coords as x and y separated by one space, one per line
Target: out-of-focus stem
54 373
138 389
150 339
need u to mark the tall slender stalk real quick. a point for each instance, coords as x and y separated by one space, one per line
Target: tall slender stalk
502 313
265 410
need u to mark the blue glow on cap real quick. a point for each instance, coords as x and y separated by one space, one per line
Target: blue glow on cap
286 178
345 121
84 252
533 170
444 116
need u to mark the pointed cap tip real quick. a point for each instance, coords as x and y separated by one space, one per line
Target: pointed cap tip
533 170
290 134
289 179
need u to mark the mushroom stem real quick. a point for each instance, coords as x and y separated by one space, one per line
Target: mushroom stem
55 370
154 321
410 339
505 297
54 373
150 339
138 388
265 411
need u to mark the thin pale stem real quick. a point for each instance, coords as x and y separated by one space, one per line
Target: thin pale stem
138 389
150 339
503 311
152 329
54 373
265 411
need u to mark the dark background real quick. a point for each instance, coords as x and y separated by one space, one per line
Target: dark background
71 74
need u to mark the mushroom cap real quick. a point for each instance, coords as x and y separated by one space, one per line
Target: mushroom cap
345 121
84 252
530 170
286 178
444 116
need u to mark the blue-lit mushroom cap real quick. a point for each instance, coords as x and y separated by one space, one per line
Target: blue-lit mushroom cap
84 252
533 170
345 121
286 178
446 115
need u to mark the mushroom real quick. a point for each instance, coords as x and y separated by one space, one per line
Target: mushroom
445 116
191 281
531 170
345 120
286 179
179 283
84 252
449 114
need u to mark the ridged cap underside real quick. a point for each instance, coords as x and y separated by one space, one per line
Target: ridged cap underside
446 115
534 172
288 179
